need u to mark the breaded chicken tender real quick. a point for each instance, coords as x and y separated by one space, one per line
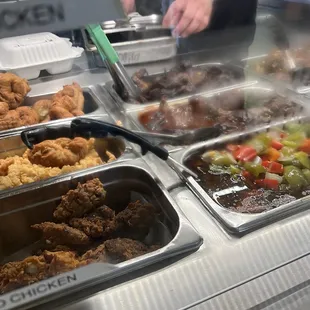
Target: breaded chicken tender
59 152
61 234
82 200
27 116
18 274
21 171
13 89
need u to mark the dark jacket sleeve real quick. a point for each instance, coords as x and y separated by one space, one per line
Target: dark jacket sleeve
229 13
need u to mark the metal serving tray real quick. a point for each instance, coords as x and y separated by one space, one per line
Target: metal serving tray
232 221
262 90
134 181
134 104
92 106
13 145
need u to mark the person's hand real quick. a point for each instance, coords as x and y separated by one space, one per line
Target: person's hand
188 16
128 6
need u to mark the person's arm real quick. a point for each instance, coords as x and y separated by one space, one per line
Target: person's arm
129 6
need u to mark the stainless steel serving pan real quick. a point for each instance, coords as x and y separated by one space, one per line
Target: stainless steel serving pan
261 90
133 180
232 221
93 106
12 145
203 90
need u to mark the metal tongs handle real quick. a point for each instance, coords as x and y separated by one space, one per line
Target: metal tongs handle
98 128
86 128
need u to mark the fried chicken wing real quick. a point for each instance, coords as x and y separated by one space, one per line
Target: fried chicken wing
136 220
77 112
42 107
61 234
27 116
75 93
10 120
100 224
17 274
82 200
13 89
122 249
4 109
62 261
59 152
58 112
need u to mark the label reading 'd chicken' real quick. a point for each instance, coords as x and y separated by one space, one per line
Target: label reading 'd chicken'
37 291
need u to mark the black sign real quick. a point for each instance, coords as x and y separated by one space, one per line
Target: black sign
35 15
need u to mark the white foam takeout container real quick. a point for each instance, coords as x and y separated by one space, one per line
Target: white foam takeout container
27 55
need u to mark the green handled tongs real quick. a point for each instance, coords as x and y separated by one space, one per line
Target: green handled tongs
110 57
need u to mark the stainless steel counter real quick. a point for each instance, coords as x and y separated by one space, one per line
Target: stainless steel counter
265 269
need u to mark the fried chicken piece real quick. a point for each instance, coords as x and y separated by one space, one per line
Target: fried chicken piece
10 120
27 116
17 274
4 109
61 234
58 112
62 261
42 107
99 224
77 112
136 220
13 89
74 92
97 255
82 200
122 249
59 152
4 165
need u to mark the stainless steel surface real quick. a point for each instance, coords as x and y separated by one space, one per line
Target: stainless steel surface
236 222
92 106
12 145
135 182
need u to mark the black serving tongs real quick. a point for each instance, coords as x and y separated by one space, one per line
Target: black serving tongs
86 128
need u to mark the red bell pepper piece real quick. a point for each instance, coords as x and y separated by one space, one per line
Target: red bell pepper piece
276 145
275 167
267 183
266 163
305 147
245 153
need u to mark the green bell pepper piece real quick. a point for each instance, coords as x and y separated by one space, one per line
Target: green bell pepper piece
223 159
294 177
260 143
306 173
234 169
255 169
303 158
